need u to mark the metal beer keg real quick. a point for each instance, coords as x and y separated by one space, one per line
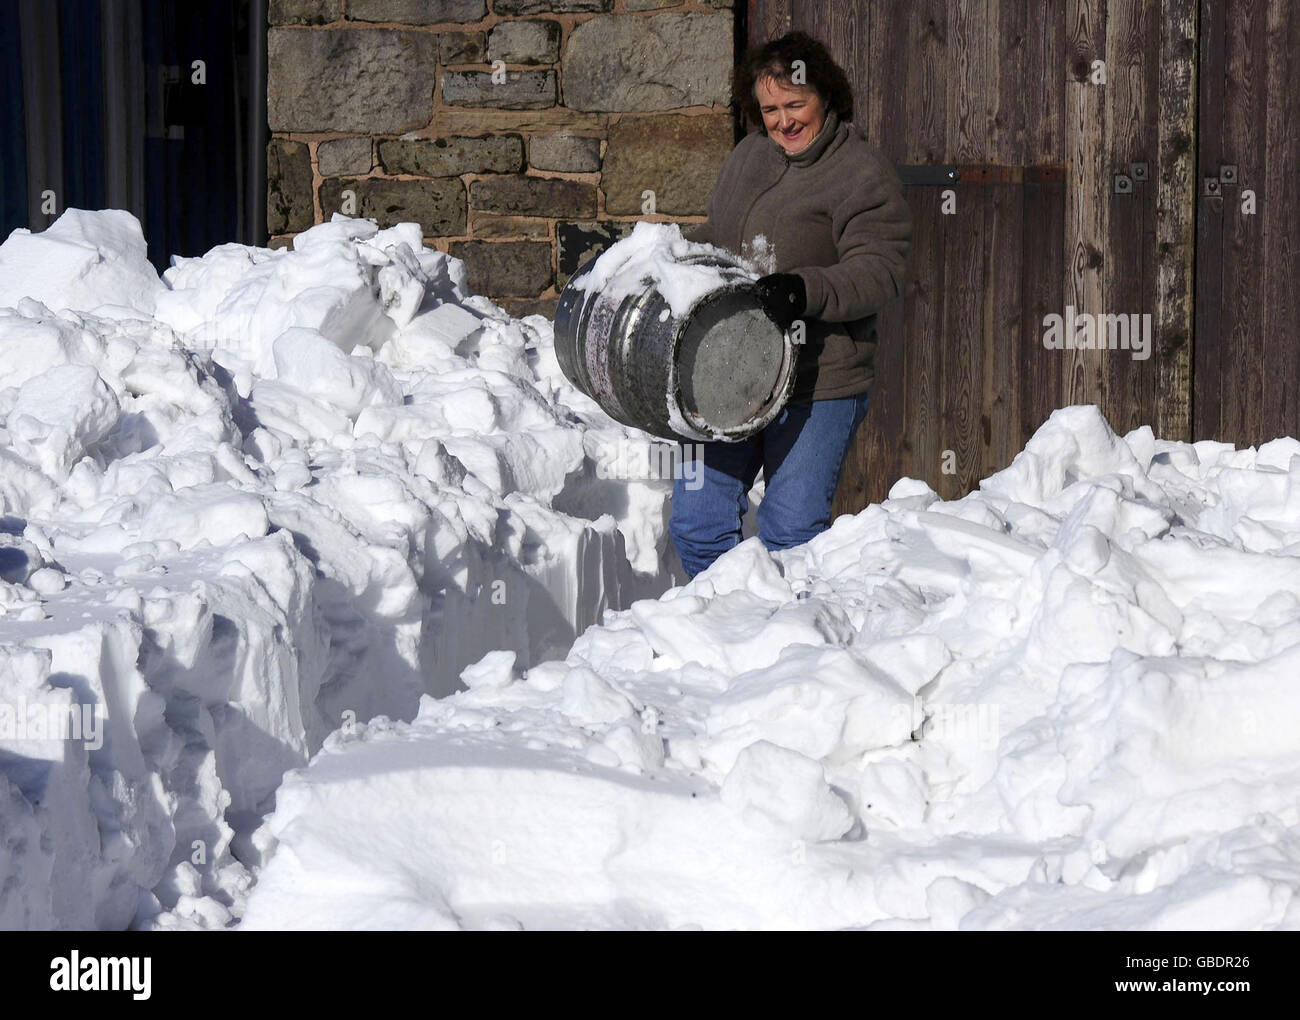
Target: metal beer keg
720 372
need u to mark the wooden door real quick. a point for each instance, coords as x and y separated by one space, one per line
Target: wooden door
1246 386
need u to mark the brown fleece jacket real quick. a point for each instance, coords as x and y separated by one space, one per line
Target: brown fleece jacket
835 215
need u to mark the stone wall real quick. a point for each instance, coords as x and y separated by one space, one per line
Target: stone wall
521 134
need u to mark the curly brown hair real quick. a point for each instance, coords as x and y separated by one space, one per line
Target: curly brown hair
776 59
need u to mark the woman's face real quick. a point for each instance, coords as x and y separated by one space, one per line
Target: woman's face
792 114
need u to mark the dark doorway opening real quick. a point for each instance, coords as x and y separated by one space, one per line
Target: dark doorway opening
151 106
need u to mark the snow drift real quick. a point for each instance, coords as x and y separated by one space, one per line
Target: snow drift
240 505
1066 700
262 517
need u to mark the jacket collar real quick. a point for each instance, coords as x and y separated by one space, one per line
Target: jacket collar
831 130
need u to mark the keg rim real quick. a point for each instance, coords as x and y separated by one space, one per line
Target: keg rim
779 394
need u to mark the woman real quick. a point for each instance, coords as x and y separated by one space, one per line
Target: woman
811 197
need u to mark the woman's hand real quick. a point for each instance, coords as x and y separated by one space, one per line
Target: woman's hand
783 297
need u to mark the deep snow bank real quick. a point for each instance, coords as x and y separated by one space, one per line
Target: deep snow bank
269 493
1069 699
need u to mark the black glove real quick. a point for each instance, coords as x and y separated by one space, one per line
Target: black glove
783 296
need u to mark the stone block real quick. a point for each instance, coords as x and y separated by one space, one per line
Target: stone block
449 157
519 90
339 156
437 205
564 152
365 81
289 207
533 196
462 47
506 268
525 42
489 225
416 12
675 156
623 62
513 8
304 12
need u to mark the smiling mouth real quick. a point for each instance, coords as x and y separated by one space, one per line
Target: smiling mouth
794 133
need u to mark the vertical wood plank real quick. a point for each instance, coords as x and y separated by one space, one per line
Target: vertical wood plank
914 131
1146 394
961 343
1043 275
924 336
1044 93
1011 88
1128 398
1207 372
875 460
1041 374
967 121
1242 143
768 19
998 404
876 65
847 23
1279 342
1086 190
920 132
812 17
1174 176
1004 247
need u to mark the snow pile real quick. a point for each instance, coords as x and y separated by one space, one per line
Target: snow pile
1066 700
251 505
267 494
656 254
84 260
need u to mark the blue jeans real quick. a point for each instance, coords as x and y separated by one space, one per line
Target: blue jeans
801 452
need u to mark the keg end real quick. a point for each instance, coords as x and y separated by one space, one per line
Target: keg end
735 366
